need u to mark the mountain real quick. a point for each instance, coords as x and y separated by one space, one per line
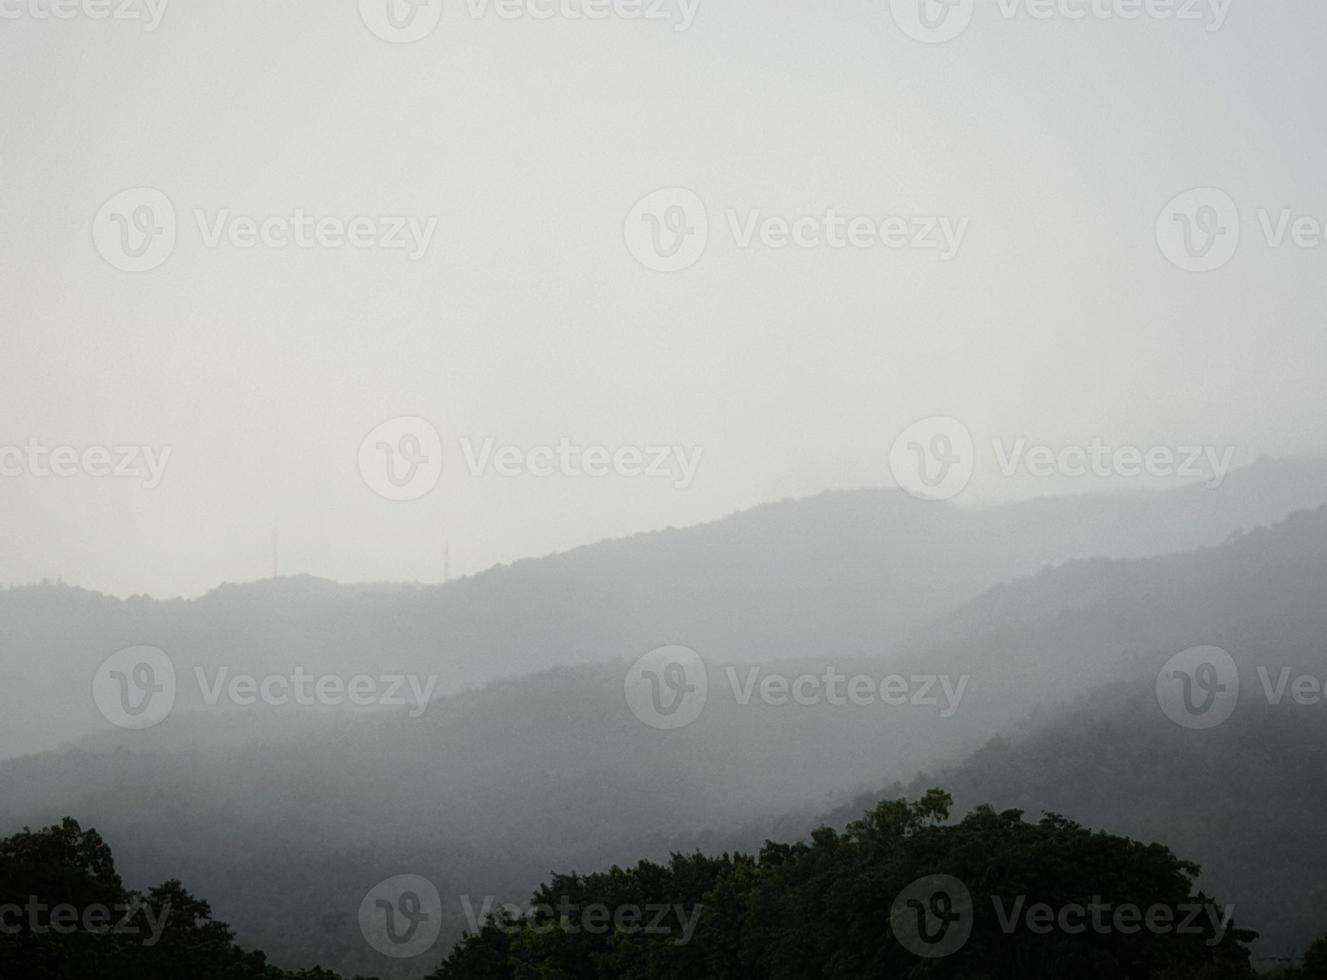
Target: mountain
841 573
809 908
1244 800
492 788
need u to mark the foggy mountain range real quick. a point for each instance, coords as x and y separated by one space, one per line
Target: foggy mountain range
857 572
663 490
529 759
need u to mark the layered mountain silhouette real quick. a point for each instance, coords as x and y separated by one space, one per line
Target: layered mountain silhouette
286 829
841 573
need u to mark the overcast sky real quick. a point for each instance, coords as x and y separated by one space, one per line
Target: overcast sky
1053 144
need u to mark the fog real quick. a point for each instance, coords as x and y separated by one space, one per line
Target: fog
527 321
499 489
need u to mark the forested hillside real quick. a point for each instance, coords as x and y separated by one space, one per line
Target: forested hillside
491 789
904 891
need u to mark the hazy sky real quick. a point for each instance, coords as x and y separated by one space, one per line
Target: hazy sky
527 320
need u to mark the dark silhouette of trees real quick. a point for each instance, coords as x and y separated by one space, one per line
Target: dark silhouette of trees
823 909
66 915
903 892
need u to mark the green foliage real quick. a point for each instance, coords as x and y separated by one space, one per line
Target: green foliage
1245 799
67 916
817 909
823 909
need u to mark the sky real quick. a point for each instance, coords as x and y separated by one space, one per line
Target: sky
262 377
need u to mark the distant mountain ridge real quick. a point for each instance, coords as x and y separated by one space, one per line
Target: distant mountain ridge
492 788
1245 799
842 573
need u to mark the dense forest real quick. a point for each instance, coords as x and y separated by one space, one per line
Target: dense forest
279 819
906 891
283 829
